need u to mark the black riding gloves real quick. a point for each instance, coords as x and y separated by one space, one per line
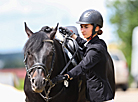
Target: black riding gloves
66 31
59 79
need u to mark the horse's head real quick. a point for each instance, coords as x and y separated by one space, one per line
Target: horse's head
39 54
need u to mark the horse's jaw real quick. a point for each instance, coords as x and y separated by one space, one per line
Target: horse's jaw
37 90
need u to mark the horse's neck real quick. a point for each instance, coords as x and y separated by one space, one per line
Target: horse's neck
59 60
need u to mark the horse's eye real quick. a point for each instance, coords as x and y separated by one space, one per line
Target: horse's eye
28 53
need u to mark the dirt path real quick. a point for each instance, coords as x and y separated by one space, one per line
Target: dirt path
10 94
131 95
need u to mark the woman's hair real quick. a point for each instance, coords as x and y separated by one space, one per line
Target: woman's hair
99 32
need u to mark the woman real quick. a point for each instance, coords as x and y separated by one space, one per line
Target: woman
94 62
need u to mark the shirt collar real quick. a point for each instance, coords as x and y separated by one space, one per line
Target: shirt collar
86 43
91 41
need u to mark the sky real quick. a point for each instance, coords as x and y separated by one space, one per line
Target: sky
39 13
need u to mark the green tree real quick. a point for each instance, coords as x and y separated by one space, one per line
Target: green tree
124 15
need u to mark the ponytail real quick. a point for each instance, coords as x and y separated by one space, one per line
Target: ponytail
99 32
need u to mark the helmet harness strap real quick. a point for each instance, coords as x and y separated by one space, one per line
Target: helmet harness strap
94 33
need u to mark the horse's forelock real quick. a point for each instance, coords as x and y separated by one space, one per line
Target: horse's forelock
35 42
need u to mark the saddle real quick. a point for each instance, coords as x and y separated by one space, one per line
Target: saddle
71 47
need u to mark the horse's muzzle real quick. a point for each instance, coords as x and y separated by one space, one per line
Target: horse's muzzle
38 84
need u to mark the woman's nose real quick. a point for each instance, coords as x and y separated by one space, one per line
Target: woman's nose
82 30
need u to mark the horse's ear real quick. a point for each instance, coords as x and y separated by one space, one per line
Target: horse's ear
53 32
28 31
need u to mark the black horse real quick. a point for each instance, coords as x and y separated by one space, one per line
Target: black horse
44 59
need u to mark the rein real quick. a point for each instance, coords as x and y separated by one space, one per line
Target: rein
63 47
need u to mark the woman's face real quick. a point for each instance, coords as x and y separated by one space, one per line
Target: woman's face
86 30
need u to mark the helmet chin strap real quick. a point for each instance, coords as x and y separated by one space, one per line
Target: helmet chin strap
94 33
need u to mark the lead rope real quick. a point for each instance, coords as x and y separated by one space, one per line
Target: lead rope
47 98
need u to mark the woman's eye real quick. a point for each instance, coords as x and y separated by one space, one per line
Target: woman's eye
86 27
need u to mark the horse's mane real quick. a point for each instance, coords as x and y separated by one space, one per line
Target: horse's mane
35 42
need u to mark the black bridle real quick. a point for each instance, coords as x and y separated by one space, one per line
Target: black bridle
47 73
41 65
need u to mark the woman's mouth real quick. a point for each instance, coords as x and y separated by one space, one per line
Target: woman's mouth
83 34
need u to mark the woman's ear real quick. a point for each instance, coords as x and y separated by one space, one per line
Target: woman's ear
97 28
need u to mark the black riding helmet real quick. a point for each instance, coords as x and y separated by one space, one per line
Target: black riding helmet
93 17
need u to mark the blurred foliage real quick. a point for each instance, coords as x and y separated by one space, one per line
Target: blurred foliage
21 84
124 16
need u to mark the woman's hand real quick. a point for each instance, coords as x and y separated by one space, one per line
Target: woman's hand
65 31
60 78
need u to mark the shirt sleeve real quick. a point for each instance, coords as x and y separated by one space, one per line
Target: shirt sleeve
80 41
89 61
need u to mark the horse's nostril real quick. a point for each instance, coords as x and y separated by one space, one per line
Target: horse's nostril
34 87
33 80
